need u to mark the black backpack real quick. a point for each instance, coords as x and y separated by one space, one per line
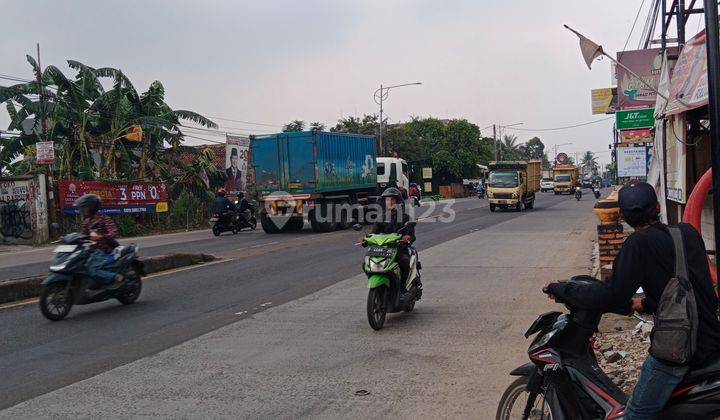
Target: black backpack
674 334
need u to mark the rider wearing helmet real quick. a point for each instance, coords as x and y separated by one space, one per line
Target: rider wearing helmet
101 229
393 218
223 206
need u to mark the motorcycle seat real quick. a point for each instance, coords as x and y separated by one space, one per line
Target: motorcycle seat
699 373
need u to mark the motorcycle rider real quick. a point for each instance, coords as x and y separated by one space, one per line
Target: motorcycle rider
101 229
393 218
222 205
647 260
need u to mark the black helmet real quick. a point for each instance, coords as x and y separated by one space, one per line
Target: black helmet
88 201
392 192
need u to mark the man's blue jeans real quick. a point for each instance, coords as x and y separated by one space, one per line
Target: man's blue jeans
95 264
656 383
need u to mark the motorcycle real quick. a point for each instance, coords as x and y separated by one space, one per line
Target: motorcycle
70 284
596 191
246 215
384 283
415 195
564 381
223 222
578 193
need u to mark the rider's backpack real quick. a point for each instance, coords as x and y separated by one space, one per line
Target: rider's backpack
674 334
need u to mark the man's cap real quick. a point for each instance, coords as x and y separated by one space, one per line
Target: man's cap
234 152
637 196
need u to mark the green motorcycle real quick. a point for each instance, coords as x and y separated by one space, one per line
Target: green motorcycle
387 291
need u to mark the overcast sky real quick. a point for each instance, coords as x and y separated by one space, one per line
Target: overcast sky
274 61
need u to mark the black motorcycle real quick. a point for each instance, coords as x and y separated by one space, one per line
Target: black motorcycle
596 191
70 284
564 381
578 193
246 215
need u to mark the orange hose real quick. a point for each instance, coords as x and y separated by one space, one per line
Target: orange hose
693 213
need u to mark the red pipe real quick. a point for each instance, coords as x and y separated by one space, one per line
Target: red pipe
693 212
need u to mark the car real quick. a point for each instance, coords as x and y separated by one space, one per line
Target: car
546 184
587 183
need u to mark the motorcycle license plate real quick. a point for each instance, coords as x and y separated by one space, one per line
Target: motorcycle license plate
65 248
213 219
379 251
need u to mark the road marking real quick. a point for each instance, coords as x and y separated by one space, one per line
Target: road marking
145 279
265 244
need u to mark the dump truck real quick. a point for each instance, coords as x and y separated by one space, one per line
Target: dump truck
322 176
565 178
513 184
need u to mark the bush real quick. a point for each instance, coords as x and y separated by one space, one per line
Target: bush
188 211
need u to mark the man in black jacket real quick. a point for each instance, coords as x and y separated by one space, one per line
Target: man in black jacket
647 260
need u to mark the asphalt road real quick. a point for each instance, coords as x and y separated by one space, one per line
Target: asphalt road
259 272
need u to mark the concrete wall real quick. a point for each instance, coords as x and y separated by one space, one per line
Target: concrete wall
23 210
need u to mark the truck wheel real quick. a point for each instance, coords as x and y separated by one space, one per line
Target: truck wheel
530 205
267 224
492 207
295 224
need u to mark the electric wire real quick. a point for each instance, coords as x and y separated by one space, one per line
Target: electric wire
567 127
633 25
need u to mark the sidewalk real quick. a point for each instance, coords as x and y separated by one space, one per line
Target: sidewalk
314 357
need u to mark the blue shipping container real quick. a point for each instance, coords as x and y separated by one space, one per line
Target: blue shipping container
313 162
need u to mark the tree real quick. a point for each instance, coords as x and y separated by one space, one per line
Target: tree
368 125
295 125
589 161
317 126
534 149
83 117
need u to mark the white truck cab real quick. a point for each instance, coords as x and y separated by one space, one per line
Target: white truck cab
392 171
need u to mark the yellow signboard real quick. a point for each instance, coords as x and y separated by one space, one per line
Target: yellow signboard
428 187
161 207
604 101
427 173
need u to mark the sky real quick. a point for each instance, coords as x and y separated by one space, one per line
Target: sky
269 62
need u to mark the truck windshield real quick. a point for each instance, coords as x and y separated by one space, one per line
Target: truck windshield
503 179
562 178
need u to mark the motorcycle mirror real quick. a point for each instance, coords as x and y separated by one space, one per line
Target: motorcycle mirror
357 226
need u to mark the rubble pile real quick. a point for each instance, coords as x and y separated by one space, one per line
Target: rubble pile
622 351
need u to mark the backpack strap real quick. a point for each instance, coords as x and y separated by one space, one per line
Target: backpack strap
681 269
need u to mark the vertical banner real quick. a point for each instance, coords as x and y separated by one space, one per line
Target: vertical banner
236 163
675 152
45 153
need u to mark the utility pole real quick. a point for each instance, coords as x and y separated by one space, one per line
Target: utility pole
495 142
713 65
380 140
50 196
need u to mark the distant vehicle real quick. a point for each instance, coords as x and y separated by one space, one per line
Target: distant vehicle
565 177
392 172
546 184
587 183
513 184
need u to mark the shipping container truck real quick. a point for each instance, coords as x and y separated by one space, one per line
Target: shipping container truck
312 174
513 184
565 177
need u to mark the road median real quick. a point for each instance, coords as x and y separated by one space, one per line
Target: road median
12 290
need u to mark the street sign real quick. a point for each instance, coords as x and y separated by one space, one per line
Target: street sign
45 153
561 158
635 118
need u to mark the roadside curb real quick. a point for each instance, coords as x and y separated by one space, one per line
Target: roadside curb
29 287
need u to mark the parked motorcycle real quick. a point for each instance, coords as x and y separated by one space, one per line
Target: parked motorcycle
564 381
578 193
70 284
383 271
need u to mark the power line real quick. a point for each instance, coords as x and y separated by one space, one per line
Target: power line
633 25
561 128
246 122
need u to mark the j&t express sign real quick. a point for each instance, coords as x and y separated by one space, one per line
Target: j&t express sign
635 118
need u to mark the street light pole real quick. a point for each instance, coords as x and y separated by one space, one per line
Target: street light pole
713 66
496 139
379 96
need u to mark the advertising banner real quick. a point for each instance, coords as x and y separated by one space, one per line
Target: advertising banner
635 118
427 173
643 135
632 92
236 163
632 161
675 158
604 101
689 81
117 198
45 153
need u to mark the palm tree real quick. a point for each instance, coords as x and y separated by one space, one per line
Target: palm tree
509 147
589 160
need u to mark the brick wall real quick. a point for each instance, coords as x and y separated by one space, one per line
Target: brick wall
610 240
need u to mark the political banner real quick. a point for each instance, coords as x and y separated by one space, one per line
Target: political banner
117 198
236 163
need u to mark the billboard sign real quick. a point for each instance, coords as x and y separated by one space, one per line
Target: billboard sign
642 135
689 81
236 163
635 118
45 153
632 161
604 101
561 158
117 198
632 92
